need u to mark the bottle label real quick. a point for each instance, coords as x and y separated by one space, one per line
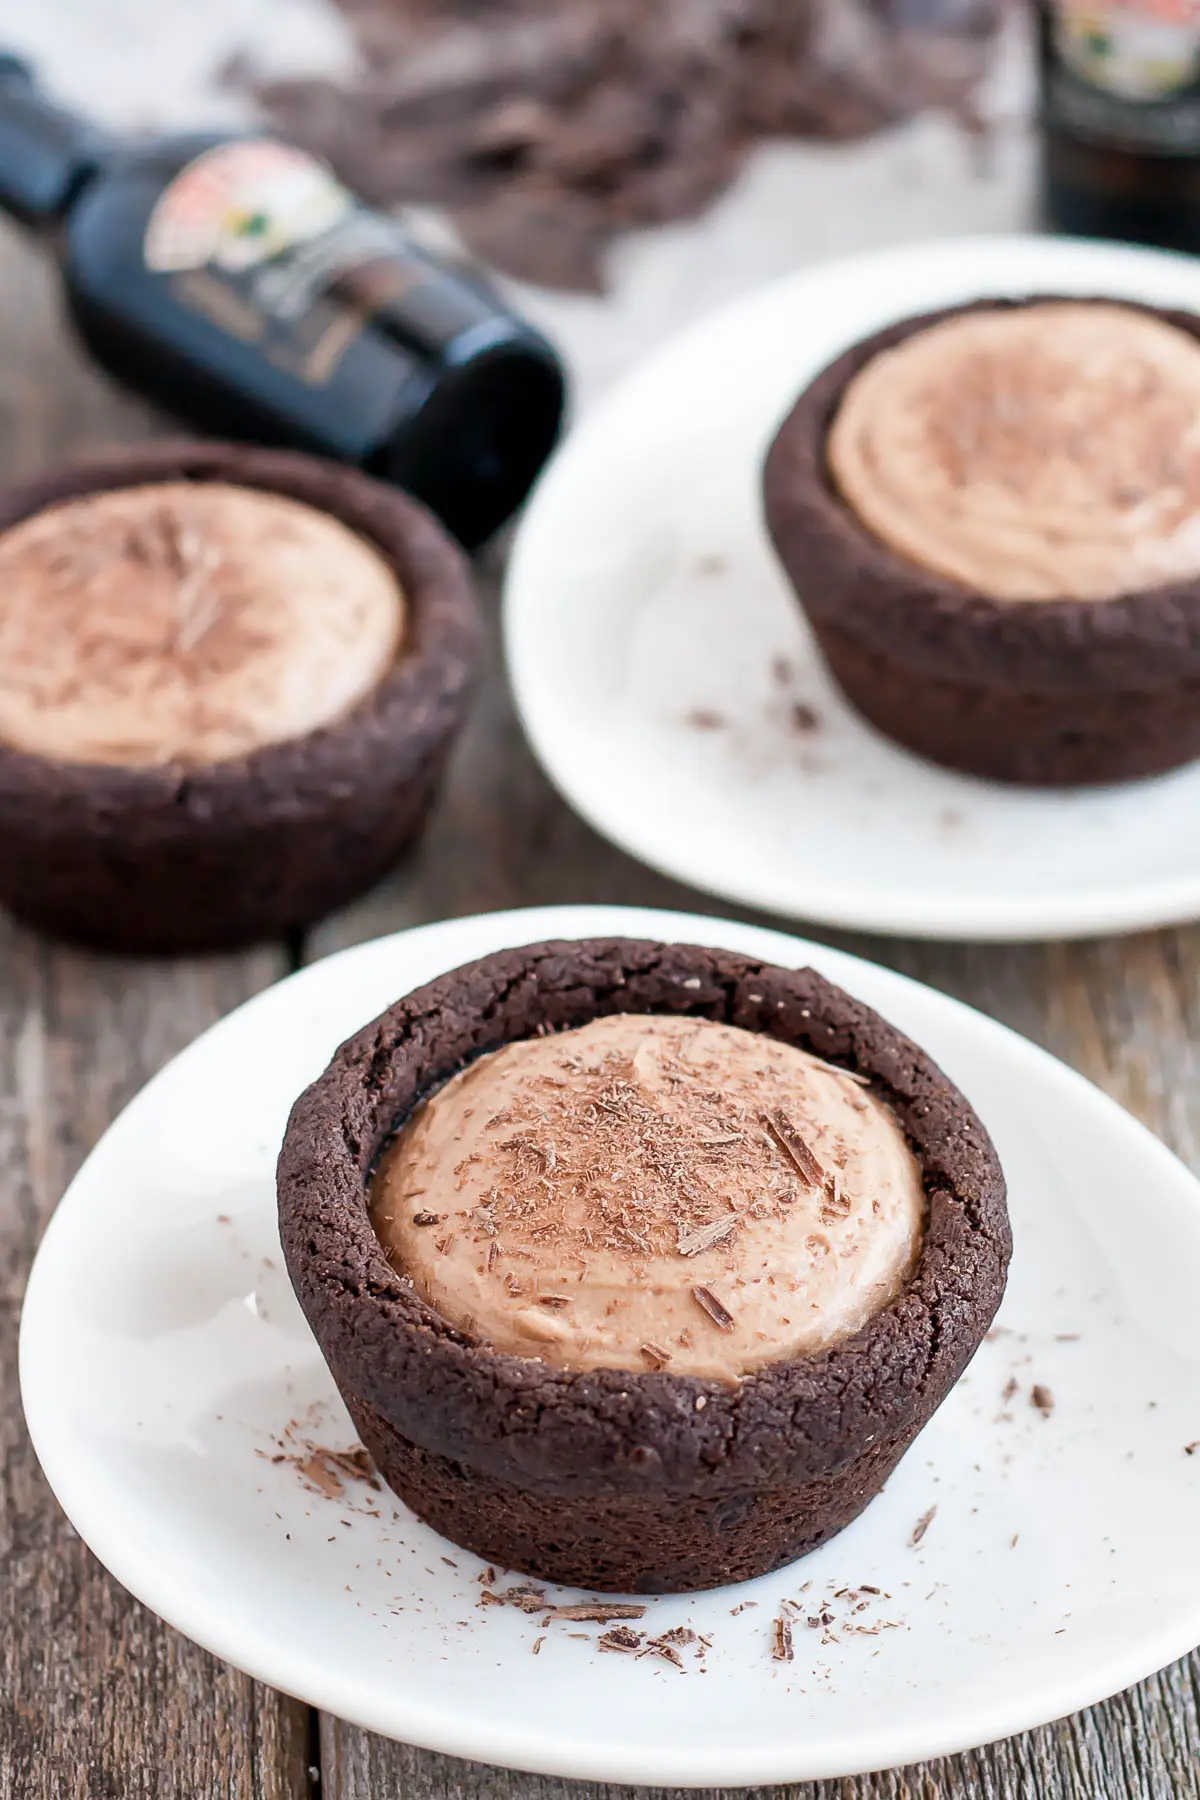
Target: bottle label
264 241
1126 72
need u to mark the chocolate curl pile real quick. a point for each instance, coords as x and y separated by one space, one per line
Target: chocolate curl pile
548 127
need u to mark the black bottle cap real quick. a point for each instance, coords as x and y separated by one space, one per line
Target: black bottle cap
46 152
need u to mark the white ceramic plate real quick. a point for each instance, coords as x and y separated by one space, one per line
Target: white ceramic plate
164 1362
658 656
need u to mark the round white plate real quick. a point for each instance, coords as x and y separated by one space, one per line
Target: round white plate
164 1362
659 658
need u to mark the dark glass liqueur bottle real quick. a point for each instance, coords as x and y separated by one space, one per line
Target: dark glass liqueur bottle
1120 115
234 281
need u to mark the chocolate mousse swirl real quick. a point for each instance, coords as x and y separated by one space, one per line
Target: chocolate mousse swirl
1050 451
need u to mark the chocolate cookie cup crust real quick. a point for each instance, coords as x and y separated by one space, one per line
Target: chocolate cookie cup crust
1044 691
618 1481
217 855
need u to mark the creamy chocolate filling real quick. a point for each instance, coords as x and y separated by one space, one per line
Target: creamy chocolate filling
186 622
652 1192
1046 451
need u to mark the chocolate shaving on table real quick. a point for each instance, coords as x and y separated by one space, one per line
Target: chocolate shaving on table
355 1465
328 1471
703 1237
313 1470
599 1612
528 1599
793 1146
782 1648
921 1527
660 1647
1043 1399
716 1309
550 127
620 1638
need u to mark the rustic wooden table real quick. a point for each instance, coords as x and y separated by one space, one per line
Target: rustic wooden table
98 1699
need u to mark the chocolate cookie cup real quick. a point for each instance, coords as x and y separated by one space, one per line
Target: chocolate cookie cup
616 1480
1046 691
179 857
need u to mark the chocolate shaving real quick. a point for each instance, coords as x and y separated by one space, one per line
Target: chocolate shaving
1043 1399
653 1354
660 1647
704 1237
788 1139
678 1634
554 1300
834 1205
355 1464
536 1646
328 1470
782 1648
717 1311
598 1611
313 1469
622 1639
428 1218
921 1527
528 1599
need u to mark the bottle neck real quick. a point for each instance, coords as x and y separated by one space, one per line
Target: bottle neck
47 154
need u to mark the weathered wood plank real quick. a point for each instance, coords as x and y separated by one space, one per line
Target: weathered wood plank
98 1699
1126 1012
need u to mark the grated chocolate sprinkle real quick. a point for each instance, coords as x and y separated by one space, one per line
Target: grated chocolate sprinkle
716 1309
703 1237
785 1135
598 1611
921 1527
